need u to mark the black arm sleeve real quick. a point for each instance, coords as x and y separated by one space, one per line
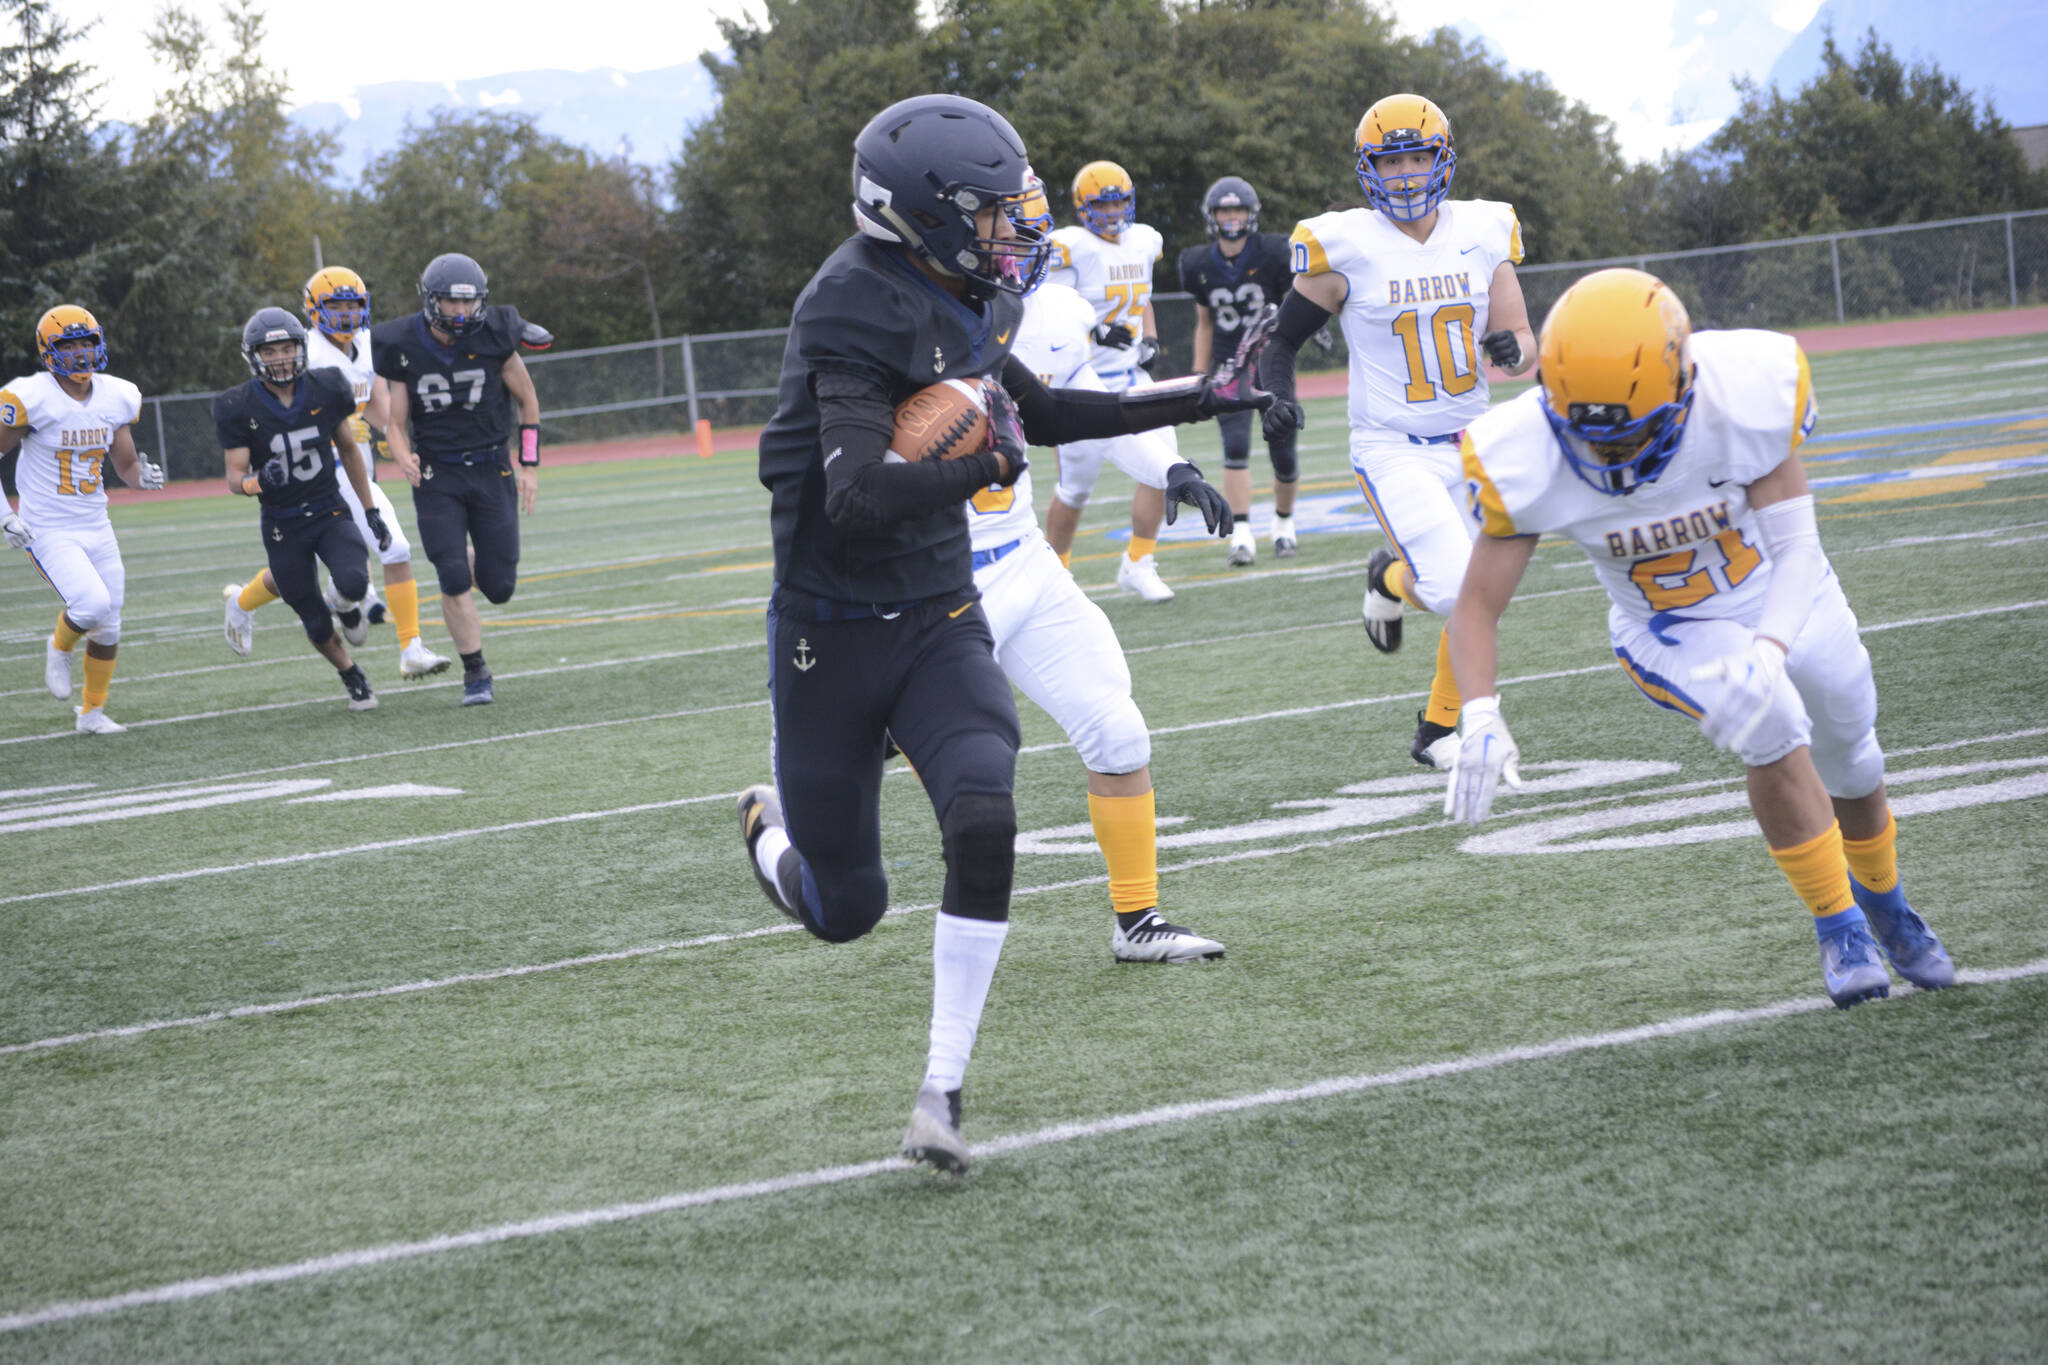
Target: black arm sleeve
1300 318
863 490
1053 417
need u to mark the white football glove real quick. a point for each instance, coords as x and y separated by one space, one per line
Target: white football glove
16 530
148 475
1748 677
1487 756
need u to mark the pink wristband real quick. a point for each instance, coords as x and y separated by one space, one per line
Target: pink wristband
529 445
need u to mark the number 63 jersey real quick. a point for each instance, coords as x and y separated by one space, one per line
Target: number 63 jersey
58 475
1685 544
1415 311
249 415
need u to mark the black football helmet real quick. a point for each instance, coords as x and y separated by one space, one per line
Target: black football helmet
454 276
265 326
1231 192
924 167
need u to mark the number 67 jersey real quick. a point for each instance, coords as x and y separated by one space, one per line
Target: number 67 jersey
59 473
1685 544
1415 311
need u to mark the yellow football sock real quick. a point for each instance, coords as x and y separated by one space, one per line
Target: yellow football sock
1125 831
1875 860
1444 700
66 637
403 601
1140 547
255 593
1401 578
1067 560
1818 872
99 676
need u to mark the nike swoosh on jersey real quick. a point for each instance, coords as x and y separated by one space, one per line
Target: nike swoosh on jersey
1057 346
1468 250
1002 338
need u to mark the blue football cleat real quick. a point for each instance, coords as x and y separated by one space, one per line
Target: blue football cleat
1849 964
1915 952
476 688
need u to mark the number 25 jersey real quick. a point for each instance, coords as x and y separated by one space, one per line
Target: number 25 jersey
1116 280
59 473
1415 311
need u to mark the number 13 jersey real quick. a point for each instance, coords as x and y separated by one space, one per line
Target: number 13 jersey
59 474
1415 311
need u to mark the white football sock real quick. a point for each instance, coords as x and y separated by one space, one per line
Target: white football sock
1283 527
768 852
964 953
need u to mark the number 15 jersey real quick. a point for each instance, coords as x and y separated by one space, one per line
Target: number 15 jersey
1415 311
250 416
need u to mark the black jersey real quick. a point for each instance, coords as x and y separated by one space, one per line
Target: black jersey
870 312
456 393
1234 289
250 415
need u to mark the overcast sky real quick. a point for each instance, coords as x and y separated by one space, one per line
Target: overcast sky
1659 68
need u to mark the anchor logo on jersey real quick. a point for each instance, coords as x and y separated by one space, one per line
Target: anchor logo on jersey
427 472
938 360
805 660
277 533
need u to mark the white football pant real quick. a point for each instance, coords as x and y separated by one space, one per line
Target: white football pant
1418 494
85 568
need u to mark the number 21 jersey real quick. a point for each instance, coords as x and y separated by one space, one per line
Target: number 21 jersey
1415 311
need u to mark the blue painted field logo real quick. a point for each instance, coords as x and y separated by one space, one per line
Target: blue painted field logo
1596 823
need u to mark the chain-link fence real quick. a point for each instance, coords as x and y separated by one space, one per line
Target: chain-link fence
656 387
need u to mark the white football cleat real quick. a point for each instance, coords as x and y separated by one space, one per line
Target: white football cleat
934 1136
1285 546
1244 548
419 662
1152 939
1141 576
349 616
56 670
95 722
240 625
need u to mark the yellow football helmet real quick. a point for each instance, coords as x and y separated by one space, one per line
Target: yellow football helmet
1616 366
1104 198
337 301
67 322
1405 123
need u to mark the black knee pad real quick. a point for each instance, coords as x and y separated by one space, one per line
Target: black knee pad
350 585
453 571
1286 467
319 626
1237 439
980 832
497 582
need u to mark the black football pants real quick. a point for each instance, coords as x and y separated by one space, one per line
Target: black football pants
929 677
457 505
296 547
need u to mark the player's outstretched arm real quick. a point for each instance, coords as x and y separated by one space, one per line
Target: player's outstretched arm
1306 310
1053 417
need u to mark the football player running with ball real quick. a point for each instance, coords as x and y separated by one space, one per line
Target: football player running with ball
337 311
291 424
874 626
1059 647
1425 288
65 420
454 374
1672 459
1233 278
1107 260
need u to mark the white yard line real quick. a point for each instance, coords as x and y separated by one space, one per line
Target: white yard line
1080 1131
711 940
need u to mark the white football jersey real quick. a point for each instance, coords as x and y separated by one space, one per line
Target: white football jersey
1116 280
1686 542
1052 341
1415 311
58 474
323 354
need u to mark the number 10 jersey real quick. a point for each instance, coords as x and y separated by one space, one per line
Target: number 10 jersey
1415 311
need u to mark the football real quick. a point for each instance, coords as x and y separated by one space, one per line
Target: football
943 422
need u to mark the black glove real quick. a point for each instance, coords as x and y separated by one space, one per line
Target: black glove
1502 348
1005 430
1184 484
1148 353
276 472
1115 335
1284 416
1233 386
374 519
